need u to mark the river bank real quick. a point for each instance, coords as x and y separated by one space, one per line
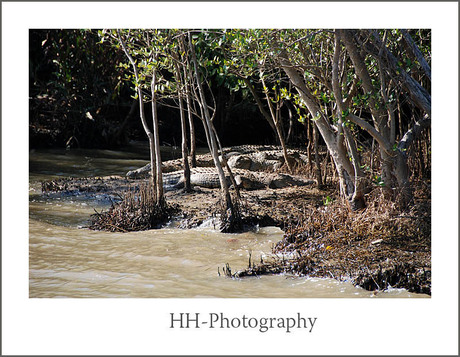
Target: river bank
376 248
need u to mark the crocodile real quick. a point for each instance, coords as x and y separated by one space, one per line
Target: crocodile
271 160
250 157
204 160
248 149
246 179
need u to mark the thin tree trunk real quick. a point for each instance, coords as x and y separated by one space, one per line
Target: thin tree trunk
319 178
340 160
328 159
156 137
372 156
230 220
310 143
187 185
291 124
356 196
192 130
224 162
187 83
277 125
389 128
401 170
419 95
143 119
417 53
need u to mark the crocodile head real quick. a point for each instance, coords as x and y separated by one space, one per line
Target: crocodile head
239 162
248 183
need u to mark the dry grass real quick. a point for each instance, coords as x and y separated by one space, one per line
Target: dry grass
377 247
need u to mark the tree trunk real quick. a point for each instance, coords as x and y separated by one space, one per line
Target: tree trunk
187 83
381 130
319 178
357 195
143 119
277 125
187 185
394 172
156 137
224 162
230 221
401 170
342 164
192 129
291 125
417 53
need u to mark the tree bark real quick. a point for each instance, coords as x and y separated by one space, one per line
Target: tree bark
230 221
319 178
277 125
360 67
343 166
357 195
394 169
417 93
188 98
418 55
401 170
187 185
143 119
192 128
156 137
381 130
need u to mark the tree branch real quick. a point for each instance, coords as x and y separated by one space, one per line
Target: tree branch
414 132
416 51
384 144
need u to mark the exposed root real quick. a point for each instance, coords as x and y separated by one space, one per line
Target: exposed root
137 211
230 217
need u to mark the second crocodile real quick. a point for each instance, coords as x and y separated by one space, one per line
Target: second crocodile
250 180
249 157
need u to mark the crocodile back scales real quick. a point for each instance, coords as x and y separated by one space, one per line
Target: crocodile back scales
209 178
252 157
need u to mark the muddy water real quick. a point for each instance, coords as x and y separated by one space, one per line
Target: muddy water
68 260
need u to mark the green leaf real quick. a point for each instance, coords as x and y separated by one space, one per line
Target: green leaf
327 201
318 116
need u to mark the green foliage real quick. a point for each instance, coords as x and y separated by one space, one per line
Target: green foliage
92 62
77 74
327 200
379 181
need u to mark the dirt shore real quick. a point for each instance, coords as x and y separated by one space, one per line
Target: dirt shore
376 248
